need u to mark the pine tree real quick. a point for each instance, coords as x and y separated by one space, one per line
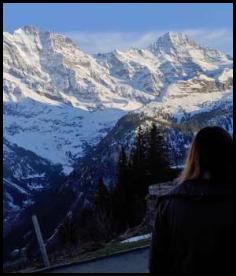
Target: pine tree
157 158
147 164
138 179
138 163
102 195
120 194
102 210
67 232
123 170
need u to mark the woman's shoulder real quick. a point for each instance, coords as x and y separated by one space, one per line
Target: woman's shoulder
197 188
178 190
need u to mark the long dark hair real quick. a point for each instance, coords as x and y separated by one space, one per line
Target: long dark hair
211 153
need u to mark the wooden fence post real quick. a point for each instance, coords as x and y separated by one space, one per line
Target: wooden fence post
40 241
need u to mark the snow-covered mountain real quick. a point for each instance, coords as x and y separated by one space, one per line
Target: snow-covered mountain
65 100
51 86
25 175
59 103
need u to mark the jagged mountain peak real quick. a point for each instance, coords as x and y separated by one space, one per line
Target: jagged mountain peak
175 37
28 30
172 41
32 32
179 48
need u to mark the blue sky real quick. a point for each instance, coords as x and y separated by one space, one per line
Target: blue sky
104 27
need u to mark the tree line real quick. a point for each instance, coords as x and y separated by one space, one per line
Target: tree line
123 207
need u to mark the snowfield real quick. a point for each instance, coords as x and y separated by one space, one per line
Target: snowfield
138 238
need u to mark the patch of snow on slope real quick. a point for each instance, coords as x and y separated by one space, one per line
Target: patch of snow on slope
137 238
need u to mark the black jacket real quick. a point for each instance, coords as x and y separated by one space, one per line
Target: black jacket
193 229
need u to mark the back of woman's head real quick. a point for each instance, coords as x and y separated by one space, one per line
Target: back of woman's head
211 153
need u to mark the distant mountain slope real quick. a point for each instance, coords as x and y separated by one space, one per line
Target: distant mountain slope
25 175
102 159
